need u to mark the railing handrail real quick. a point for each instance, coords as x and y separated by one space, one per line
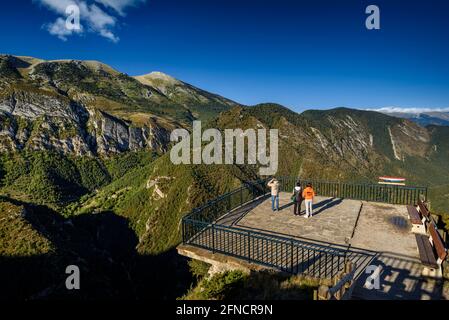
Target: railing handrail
393 194
258 182
223 196
355 183
273 237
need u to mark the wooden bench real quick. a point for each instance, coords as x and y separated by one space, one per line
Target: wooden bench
417 221
432 252
423 210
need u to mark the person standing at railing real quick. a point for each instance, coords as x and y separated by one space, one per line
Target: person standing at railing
308 194
274 185
297 198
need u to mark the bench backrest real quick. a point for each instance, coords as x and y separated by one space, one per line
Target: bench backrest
415 217
423 209
437 242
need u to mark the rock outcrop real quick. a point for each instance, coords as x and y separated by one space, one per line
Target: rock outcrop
41 121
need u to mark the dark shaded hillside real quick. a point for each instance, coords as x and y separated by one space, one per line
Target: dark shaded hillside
101 245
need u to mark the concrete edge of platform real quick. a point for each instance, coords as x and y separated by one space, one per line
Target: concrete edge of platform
219 262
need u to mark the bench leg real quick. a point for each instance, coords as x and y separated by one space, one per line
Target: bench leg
429 272
418 228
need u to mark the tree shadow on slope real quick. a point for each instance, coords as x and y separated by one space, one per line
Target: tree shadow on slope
104 248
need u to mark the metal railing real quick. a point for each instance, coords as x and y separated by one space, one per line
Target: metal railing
201 228
286 254
404 195
223 204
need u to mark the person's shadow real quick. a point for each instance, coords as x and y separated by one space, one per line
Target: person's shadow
285 206
326 204
322 205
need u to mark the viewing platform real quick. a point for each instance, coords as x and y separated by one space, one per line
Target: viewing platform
367 225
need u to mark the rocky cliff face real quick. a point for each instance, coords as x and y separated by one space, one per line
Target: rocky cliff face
41 120
363 135
86 107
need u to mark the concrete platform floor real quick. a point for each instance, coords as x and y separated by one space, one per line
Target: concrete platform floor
383 232
333 220
385 228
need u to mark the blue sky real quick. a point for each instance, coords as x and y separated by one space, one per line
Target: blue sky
302 54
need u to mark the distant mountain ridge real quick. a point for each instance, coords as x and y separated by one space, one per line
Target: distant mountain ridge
424 118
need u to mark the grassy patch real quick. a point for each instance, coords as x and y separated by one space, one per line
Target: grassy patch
237 285
17 236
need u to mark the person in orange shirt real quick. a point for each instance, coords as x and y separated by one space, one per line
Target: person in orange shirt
308 194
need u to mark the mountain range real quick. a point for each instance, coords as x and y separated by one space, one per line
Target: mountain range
423 118
85 174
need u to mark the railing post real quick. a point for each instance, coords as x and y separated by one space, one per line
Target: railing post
249 246
183 231
291 256
339 190
213 238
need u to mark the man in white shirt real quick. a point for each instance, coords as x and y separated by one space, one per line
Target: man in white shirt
274 185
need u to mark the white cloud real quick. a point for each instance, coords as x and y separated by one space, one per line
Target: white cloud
59 29
120 5
409 110
57 5
93 18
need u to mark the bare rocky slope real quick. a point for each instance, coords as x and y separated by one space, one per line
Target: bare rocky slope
86 107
